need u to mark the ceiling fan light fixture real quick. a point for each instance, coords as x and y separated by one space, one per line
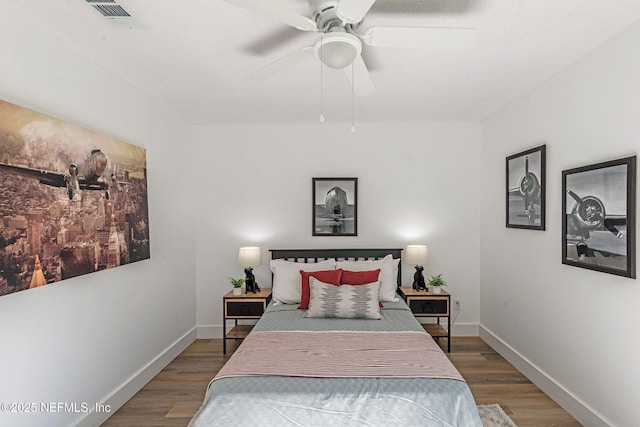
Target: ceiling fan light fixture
338 49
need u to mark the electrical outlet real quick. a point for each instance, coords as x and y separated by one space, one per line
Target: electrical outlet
456 304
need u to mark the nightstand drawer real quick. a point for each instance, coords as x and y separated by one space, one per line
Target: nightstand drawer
244 308
435 306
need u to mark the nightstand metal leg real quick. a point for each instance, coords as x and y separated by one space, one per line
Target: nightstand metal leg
449 334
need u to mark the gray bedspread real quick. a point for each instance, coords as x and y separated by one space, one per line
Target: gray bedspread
286 317
323 402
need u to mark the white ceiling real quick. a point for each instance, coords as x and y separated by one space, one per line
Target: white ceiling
195 54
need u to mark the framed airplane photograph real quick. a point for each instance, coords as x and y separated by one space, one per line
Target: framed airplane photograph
335 207
525 193
73 201
599 217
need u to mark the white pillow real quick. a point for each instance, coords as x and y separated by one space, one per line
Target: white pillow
287 280
348 302
388 273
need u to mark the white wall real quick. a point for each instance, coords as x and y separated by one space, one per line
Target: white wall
573 329
416 184
81 340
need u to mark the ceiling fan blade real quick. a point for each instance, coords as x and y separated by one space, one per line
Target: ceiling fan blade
353 11
275 11
282 64
420 37
361 80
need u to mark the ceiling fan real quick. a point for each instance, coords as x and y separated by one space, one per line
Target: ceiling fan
340 42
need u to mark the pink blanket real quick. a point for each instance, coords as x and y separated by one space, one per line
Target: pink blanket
336 354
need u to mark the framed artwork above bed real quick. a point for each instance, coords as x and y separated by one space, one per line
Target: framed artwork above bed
335 207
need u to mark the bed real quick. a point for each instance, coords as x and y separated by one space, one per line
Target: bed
352 354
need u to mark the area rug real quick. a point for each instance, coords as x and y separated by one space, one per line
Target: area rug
493 416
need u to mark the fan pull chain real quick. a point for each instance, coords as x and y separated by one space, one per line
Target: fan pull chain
353 126
321 86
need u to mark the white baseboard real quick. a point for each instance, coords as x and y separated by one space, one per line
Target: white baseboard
207 332
465 330
457 329
131 386
570 403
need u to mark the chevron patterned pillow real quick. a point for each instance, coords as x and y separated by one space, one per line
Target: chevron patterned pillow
350 302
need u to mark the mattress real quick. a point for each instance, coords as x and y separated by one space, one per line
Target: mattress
251 399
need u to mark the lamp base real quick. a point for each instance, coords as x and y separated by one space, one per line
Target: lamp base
250 281
418 279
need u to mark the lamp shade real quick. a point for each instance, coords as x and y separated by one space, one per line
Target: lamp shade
249 256
416 255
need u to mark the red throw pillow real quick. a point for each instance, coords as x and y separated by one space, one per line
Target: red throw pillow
355 278
327 276
359 277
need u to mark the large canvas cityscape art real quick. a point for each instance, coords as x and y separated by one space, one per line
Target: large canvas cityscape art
72 201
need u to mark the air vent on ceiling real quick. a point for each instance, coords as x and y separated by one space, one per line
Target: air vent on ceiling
114 11
109 8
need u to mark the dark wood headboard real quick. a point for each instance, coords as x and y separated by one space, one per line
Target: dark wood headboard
315 255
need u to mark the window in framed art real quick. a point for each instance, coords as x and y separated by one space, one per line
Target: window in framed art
335 207
598 225
526 177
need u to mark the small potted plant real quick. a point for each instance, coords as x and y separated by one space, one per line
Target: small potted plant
437 283
237 285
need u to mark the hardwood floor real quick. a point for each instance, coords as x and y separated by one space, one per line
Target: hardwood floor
176 393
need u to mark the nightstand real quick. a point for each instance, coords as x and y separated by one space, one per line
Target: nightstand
245 306
428 304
